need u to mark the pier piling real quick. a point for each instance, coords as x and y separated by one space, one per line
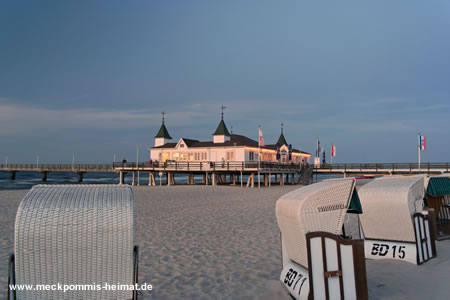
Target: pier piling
12 175
80 176
44 175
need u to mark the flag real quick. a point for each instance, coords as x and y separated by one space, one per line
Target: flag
319 148
261 138
333 151
422 142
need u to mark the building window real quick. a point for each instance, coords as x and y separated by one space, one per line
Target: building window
203 155
230 155
251 156
181 145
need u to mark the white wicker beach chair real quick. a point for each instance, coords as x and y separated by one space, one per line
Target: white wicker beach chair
75 237
317 262
317 207
393 223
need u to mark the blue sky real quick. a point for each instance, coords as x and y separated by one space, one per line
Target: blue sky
91 77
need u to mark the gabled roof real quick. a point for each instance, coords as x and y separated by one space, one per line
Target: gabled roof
222 129
282 140
235 140
189 142
163 133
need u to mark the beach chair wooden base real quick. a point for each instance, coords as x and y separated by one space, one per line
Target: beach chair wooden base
418 252
337 269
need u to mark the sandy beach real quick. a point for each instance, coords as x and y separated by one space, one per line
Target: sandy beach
202 242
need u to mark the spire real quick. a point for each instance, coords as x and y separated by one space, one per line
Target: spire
282 139
163 133
223 107
222 129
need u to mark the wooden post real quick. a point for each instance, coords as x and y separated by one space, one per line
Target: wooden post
204 179
12 175
270 179
44 176
133 181
120 178
240 176
214 178
281 179
168 178
80 176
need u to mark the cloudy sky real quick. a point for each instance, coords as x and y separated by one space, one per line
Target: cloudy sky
91 77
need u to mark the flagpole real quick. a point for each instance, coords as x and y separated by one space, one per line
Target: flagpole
259 156
419 148
331 155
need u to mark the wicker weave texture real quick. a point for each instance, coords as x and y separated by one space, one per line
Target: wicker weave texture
75 234
389 204
317 207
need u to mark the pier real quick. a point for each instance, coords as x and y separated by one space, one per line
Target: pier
382 168
249 174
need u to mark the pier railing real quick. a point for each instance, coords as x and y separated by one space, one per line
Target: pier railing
384 167
58 167
207 166
184 166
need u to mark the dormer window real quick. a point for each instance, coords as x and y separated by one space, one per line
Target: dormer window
181 145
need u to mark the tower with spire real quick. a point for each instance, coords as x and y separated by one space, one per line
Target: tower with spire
281 139
163 136
221 135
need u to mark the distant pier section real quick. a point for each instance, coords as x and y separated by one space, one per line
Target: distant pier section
233 173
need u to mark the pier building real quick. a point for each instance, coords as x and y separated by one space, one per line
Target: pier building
224 147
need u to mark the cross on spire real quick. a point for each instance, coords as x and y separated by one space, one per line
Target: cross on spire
223 107
282 128
163 113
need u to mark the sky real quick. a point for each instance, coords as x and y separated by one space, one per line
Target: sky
91 78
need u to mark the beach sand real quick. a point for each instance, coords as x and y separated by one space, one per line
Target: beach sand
203 242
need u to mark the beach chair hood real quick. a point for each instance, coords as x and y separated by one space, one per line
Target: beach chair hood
75 234
389 204
317 207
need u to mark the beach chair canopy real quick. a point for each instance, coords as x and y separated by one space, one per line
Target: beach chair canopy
389 204
318 207
75 234
438 186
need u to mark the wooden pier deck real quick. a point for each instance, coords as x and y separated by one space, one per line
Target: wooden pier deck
229 172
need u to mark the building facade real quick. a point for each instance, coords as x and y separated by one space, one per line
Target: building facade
224 147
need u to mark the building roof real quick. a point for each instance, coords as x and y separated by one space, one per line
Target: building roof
163 133
235 140
282 140
222 129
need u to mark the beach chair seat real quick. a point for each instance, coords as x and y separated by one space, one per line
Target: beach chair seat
75 242
394 223
316 260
